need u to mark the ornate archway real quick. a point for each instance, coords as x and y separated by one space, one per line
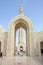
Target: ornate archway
19 21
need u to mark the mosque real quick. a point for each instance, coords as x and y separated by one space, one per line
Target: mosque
34 40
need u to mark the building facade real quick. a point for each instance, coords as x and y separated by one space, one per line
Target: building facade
34 40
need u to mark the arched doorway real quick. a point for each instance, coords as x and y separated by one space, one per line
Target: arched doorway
41 45
17 22
20 39
21 23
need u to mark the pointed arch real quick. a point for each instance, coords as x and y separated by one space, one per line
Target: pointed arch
15 23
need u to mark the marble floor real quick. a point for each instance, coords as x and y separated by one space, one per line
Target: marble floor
21 60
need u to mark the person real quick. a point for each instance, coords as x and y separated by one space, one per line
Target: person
18 53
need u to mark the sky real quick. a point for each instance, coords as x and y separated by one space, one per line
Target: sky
33 9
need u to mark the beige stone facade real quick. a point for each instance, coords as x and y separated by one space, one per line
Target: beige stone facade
33 39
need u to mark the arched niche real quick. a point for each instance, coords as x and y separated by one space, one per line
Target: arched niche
40 45
41 48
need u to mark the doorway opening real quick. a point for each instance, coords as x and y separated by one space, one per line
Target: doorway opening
41 44
20 42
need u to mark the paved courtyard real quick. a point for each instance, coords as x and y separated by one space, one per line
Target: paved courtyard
21 60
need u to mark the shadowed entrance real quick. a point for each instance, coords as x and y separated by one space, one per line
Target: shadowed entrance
41 44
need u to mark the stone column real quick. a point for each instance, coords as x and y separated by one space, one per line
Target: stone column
28 43
10 42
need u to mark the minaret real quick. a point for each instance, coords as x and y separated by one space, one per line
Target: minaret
21 9
21 36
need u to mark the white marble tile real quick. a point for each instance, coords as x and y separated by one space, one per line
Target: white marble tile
23 60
